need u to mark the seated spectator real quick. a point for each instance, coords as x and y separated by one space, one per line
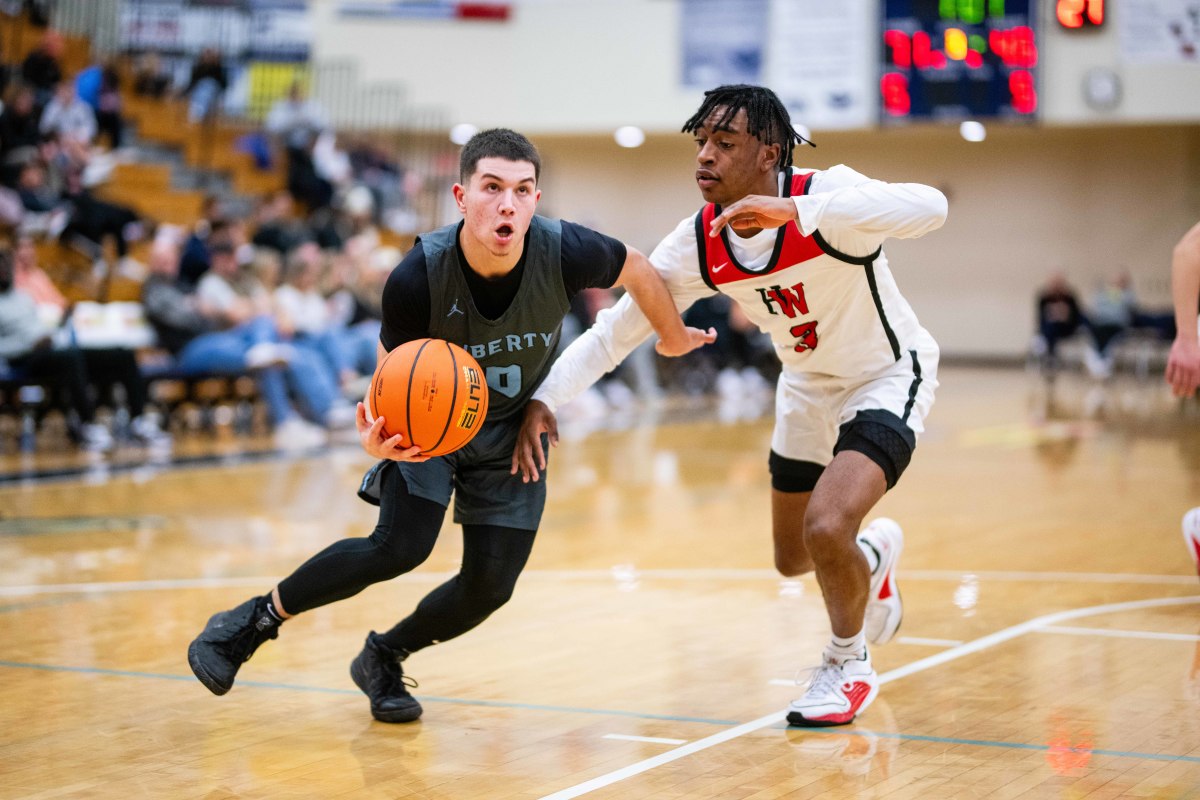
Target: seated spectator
1058 317
150 78
356 285
375 168
70 118
1110 314
19 121
302 309
206 84
212 225
97 220
100 87
204 341
355 295
276 226
297 122
45 352
42 67
46 211
30 278
234 300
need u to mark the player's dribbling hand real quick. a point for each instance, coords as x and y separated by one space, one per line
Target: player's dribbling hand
529 456
755 211
370 433
694 339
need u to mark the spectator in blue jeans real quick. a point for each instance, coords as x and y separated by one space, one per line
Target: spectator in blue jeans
301 307
194 335
235 295
207 83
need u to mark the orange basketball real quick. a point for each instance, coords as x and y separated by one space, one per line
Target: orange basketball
433 393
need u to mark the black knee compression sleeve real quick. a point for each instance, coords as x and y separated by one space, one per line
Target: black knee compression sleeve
881 437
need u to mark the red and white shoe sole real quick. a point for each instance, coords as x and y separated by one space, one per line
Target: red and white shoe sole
798 719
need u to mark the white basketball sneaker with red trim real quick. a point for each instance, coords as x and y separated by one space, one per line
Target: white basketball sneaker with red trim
884 607
1191 535
837 692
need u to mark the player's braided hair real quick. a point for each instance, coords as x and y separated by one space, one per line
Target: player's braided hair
767 119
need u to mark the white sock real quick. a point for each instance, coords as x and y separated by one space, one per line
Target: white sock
869 552
845 649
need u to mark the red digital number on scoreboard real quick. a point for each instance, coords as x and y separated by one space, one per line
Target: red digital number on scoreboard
1074 14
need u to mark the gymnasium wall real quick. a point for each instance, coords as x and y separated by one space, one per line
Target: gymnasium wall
1024 202
581 66
1087 192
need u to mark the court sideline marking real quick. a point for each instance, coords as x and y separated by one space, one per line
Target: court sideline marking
595 574
975 646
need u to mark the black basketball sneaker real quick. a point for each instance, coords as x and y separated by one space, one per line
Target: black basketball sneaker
228 641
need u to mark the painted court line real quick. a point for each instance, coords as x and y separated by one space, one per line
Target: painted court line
650 739
912 737
999 637
929 642
1174 637
295 687
604 575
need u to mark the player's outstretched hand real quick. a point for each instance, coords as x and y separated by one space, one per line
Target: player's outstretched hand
694 339
1183 367
755 211
370 433
529 456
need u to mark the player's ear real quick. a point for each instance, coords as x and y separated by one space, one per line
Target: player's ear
459 194
769 157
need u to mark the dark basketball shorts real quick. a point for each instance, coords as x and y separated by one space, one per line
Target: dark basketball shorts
478 478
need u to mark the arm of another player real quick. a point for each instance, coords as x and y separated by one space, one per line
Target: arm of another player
854 212
1183 364
650 293
597 351
371 433
615 334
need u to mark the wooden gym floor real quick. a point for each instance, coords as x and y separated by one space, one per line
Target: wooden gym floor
1050 648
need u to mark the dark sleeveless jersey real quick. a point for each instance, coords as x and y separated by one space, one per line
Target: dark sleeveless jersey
516 349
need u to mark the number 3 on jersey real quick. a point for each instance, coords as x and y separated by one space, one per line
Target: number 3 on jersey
505 380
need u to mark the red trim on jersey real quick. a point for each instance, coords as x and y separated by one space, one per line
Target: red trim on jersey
791 247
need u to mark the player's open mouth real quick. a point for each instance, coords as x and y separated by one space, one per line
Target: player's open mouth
705 178
504 232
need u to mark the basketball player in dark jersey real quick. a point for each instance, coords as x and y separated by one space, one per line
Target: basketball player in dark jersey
499 284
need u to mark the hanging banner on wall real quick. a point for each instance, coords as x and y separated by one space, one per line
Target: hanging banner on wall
821 61
487 10
275 30
1159 31
722 41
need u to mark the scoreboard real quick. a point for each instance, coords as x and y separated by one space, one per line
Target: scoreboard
946 60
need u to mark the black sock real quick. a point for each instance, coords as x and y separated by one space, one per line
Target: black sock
270 606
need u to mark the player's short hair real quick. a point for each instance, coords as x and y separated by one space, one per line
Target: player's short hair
497 143
767 119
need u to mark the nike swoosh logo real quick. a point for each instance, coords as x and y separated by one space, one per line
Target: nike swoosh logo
720 267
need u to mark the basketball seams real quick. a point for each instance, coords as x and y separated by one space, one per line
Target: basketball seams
375 381
453 398
412 371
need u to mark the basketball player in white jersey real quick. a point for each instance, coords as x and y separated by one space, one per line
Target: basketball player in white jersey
800 251
1183 364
